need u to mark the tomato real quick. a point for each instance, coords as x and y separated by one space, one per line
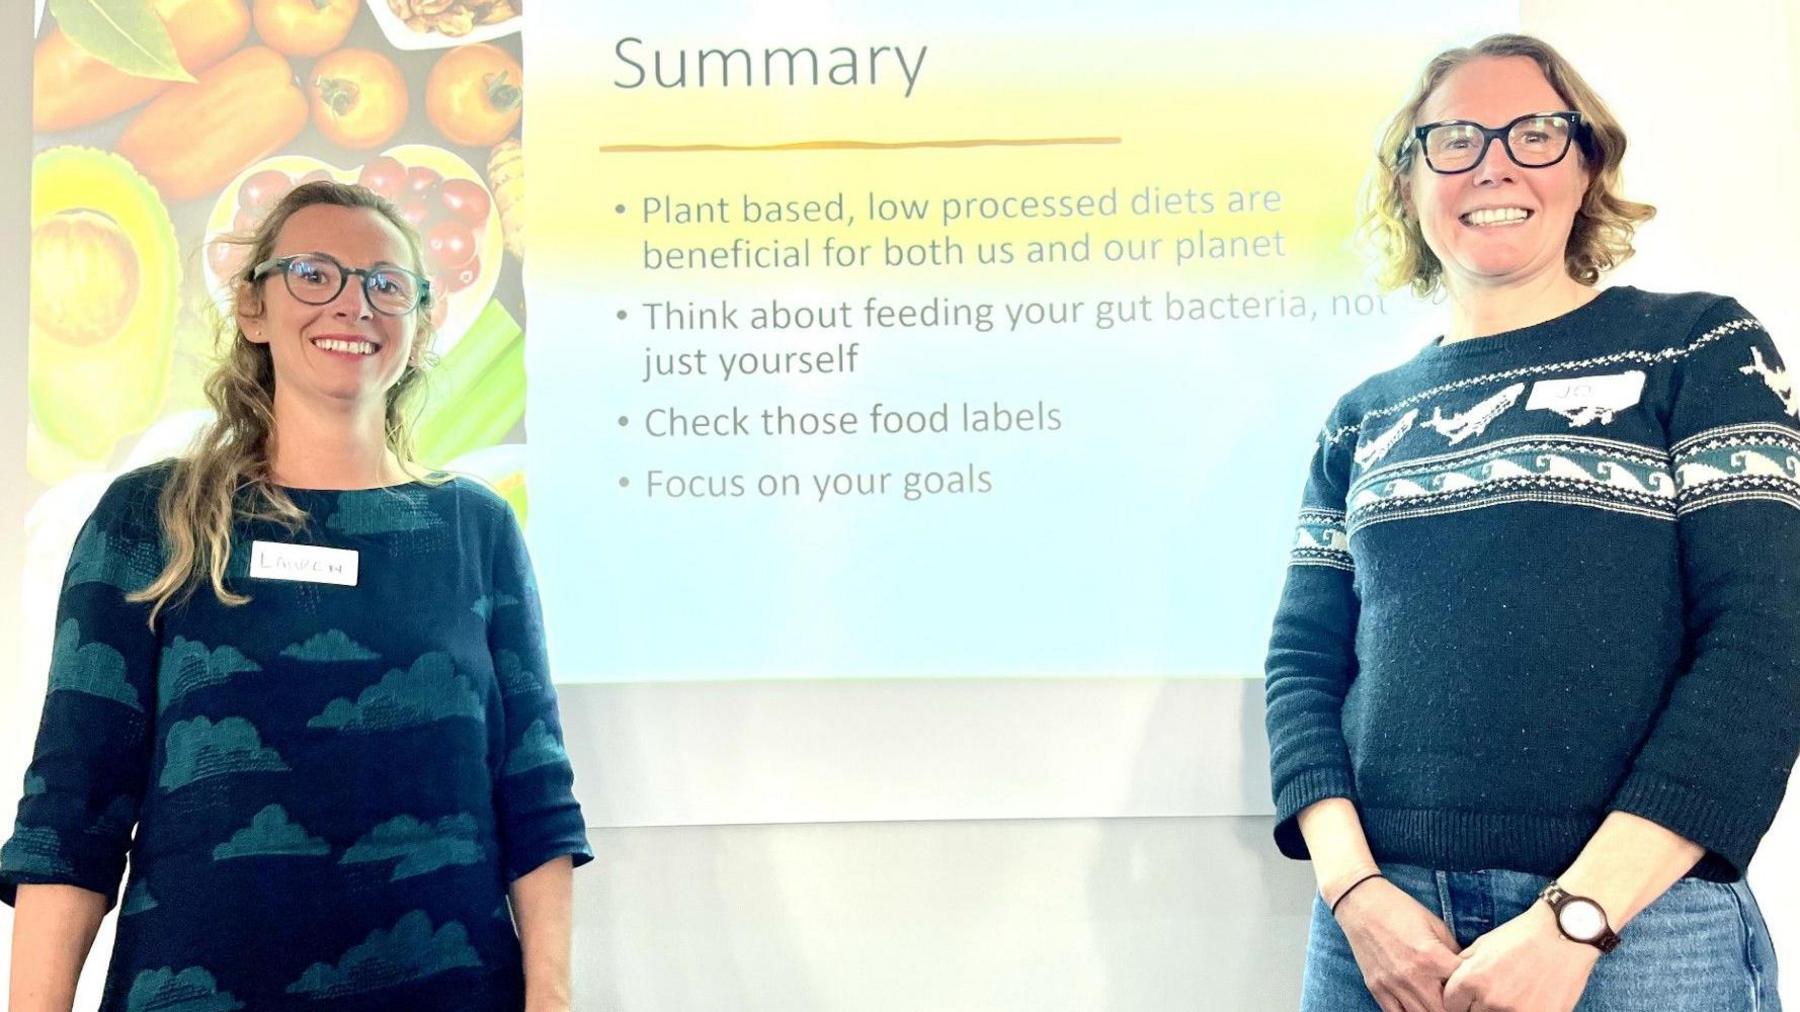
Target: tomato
226 258
466 200
465 275
386 176
450 244
358 98
474 95
305 27
416 209
263 189
218 254
422 182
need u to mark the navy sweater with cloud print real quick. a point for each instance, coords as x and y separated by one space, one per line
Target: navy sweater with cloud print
1546 575
331 787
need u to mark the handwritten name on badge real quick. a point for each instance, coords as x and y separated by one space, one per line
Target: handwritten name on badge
1587 399
270 560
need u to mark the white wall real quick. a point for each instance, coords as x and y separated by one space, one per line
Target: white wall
1119 913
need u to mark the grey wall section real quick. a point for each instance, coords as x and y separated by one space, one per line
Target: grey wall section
16 24
1123 863
1067 915
900 750
15 300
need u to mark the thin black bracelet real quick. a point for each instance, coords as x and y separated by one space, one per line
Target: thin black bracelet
1353 885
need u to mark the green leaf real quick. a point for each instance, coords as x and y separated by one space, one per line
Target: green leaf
124 33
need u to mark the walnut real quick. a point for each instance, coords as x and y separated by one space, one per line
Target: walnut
455 23
497 12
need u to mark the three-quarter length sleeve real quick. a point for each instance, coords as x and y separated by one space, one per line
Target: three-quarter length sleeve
89 768
1715 763
1312 651
534 798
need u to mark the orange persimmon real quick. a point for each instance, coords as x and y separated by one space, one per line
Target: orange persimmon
305 27
358 98
474 94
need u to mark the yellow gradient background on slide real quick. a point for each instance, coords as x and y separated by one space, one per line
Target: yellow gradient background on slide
1275 117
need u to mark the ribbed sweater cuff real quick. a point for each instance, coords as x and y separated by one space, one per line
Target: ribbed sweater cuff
1301 790
1683 809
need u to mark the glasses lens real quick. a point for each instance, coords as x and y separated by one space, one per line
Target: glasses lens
314 280
392 291
1538 141
1453 147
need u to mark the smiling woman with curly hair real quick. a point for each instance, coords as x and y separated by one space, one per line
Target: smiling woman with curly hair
1534 684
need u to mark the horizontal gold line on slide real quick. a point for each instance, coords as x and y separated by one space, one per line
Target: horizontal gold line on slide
974 142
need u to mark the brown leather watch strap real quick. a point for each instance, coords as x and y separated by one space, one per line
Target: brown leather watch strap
1558 898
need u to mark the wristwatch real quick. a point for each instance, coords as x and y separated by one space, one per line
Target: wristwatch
1579 918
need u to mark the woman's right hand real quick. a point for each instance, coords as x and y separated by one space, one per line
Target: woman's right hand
1405 952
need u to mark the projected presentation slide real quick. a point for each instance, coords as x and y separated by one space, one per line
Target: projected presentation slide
827 341
966 343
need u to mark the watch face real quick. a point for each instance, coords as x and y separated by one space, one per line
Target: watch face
1581 919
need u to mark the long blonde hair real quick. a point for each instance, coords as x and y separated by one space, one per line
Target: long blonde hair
227 474
1604 224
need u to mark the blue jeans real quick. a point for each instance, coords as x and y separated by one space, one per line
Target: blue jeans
1701 947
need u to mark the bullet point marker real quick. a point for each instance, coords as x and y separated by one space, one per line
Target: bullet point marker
623 482
621 314
620 208
624 420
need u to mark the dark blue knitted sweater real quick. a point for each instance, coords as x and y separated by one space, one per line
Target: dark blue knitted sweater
332 786
1545 575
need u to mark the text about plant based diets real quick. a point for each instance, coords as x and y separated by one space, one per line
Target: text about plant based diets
722 370
843 231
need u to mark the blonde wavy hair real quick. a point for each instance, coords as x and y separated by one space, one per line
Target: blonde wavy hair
1604 224
227 474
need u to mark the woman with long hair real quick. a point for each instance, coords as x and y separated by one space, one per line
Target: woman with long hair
301 683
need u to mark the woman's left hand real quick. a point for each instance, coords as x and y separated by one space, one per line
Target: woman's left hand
1524 965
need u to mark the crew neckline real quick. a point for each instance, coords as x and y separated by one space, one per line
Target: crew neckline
413 483
1536 333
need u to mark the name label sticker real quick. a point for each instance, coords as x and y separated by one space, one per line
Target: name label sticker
270 560
1585 399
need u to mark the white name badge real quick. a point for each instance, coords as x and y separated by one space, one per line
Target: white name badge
1599 393
270 560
